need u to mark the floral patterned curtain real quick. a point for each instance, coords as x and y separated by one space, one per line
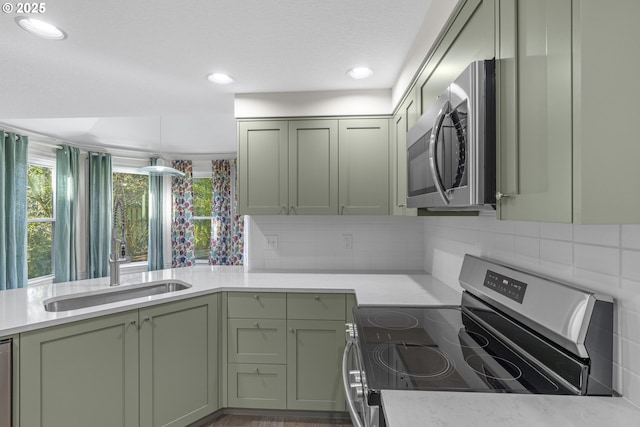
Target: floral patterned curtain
182 237
227 234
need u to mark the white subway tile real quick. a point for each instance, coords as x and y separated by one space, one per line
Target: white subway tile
527 228
631 265
597 282
527 246
597 259
556 251
629 295
630 387
605 235
630 355
630 236
556 231
506 227
629 324
504 243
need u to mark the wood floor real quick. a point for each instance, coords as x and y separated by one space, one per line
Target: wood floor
275 421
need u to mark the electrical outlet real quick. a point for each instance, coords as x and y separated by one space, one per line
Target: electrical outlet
271 242
347 241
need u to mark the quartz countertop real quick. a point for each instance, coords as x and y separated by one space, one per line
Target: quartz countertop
444 409
22 310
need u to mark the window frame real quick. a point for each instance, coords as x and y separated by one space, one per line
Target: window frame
47 159
200 172
131 166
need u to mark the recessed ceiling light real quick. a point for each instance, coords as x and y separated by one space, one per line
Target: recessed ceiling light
360 73
220 78
41 28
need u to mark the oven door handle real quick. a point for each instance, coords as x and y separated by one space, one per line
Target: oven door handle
357 422
433 156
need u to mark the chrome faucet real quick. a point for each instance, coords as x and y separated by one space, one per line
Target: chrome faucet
118 246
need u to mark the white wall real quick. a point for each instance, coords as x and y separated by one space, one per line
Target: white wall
604 258
379 243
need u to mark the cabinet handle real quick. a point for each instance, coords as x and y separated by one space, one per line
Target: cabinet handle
146 319
257 325
284 208
402 206
342 210
257 371
256 296
500 196
133 322
292 331
293 210
317 298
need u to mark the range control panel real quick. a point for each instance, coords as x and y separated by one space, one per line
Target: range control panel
510 288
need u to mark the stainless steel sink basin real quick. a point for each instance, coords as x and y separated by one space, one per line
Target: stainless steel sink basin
126 292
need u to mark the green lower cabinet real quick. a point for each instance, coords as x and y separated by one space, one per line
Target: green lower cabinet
178 362
81 374
150 367
314 355
257 386
256 341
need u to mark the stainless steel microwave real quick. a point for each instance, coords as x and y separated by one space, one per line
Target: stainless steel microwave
451 150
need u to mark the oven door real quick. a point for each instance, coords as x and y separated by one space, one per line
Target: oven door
355 386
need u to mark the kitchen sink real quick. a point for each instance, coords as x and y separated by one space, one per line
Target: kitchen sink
126 292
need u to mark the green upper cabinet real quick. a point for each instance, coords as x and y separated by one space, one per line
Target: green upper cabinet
401 122
263 167
364 167
606 90
534 151
313 167
470 37
564 135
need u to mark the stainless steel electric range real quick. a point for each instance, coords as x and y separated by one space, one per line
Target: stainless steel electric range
514 332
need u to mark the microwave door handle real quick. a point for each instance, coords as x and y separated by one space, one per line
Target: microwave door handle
433 146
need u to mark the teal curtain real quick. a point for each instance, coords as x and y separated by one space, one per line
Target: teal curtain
13 210
156 254
99 193
67 211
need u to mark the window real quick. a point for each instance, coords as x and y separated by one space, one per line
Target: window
202 217
40 220
133 190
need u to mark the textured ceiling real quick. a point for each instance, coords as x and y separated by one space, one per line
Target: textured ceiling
127 63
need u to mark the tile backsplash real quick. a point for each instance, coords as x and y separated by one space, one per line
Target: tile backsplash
603 258
338 243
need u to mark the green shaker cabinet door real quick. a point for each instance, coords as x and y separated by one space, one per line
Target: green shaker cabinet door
263 168
314 357
364 167
81 374
257 386
400 124
471 37
257 341
178 362
313 167
535 116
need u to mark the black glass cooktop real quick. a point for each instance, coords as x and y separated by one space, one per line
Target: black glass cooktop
423 348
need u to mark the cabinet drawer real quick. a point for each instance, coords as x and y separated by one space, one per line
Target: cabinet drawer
257 386
316 306
257 341
256 305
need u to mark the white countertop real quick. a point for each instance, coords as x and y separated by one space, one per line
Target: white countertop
22 310
454 409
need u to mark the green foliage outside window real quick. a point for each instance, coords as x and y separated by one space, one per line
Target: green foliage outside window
202 193
133 190
41 223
